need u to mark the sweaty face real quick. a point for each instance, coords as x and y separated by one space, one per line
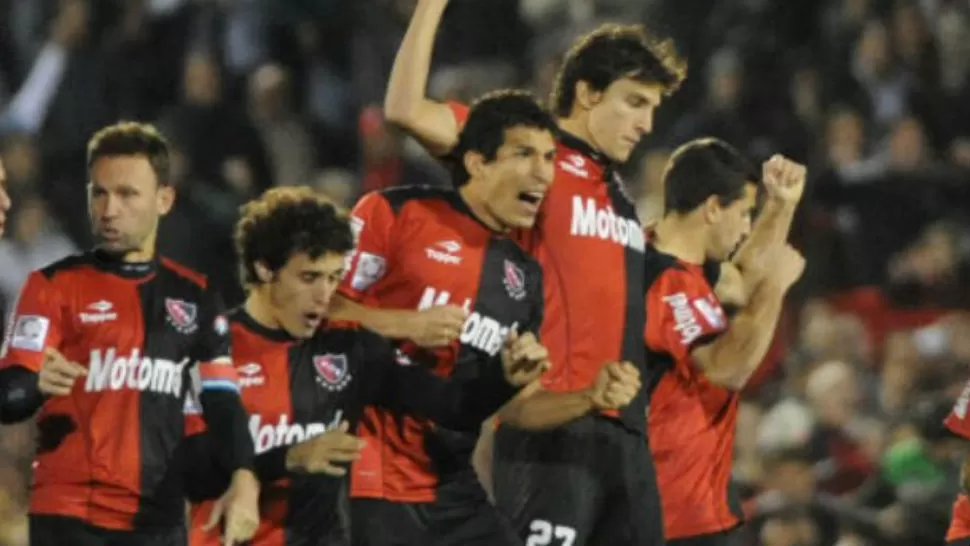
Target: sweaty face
519 176
4 200
732 224
621 115
125 202
301 292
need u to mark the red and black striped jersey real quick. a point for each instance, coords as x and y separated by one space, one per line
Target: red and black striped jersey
416 248
590 245
105 450
691 420
294 390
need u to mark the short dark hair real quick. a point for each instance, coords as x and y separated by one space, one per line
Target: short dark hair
703 168
612 52
488 119
287 221
133 138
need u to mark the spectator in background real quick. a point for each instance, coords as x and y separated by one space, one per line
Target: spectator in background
35 241
4 199
286 138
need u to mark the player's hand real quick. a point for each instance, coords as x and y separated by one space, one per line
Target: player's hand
523 358
784 179
780 265
616 385
437 326
239 507
327 453
58 374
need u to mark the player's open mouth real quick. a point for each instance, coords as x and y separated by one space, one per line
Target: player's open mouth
312 318
531 197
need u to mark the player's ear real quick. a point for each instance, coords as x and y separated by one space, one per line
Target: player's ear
164 199
263 273
712 209
474 163
586 96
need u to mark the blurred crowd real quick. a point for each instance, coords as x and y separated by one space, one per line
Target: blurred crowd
840 438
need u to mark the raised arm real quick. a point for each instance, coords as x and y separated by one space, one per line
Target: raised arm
406 103
735 355
784 182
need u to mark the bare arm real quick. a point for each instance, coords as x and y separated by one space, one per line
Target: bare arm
406 103
390 323
731 359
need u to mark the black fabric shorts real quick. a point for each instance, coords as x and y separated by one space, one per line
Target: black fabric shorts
589 483
461 516
725 538
64 531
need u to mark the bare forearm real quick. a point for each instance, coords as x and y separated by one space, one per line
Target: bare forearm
406 102
772 226
541 409
389 323
733 358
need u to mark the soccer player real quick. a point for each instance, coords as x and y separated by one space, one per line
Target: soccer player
102 344
589 482
958 423
419 248
303 377
4 199
710 192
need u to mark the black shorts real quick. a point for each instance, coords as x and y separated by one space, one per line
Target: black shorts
725 538
589 483
461 516
61 531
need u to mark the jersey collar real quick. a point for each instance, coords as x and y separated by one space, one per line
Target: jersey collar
272 334
113 264
573 142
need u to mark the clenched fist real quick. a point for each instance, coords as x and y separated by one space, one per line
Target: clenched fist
616 385
327 453
58 374
437 326
523 358
784 179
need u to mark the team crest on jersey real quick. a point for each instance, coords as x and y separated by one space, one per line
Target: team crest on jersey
333 372
514 281
182 315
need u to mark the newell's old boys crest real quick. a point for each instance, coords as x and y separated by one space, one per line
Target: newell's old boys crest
333 372
183 316
514 281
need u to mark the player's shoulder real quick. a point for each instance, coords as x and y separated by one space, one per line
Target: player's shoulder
183 272
73 262
663 268
401 196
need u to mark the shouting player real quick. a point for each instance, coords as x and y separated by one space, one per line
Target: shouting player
4 199
710 192
591 481
102 344
302 377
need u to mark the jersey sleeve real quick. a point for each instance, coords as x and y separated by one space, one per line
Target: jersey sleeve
35 324
673 325
372 221
460 111
957 421
212 350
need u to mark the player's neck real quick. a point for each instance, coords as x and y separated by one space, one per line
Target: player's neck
258 307
476 203
577 126
681 236
144 254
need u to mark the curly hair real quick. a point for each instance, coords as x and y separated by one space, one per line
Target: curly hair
287 221
612 52
132 138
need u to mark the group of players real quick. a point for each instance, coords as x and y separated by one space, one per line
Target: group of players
514 361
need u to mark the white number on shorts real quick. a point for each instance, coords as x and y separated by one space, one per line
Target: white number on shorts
543 533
